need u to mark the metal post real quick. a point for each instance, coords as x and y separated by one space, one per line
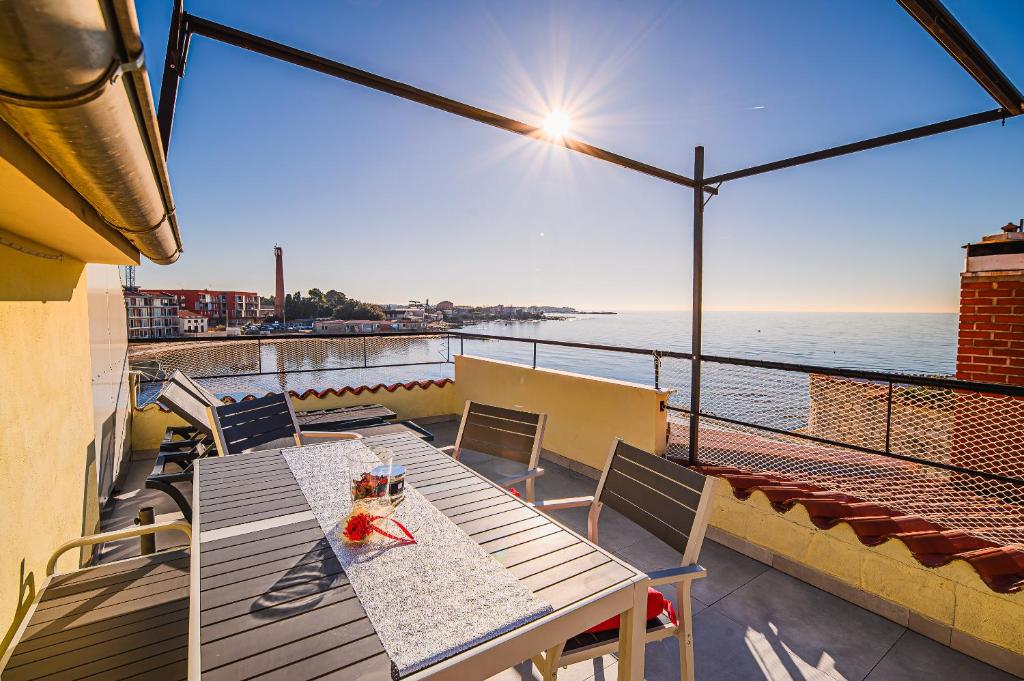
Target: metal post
147 542
174 68
365 363
259 353
888 418
698 277
462 345
535 354
448 349
657 370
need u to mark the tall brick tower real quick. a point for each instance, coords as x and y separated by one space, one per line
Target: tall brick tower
990 345
279 285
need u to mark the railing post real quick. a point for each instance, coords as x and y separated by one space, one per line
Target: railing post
365 362
698 276
259 354
448 349
535 354
888 418
657 370
462 345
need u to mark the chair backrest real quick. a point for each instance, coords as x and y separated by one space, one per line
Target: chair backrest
186 405
192 386
250 423
670 501
506 433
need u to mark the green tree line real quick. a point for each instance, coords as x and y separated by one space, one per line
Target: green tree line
333 304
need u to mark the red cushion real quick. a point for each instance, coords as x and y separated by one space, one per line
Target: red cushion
656 604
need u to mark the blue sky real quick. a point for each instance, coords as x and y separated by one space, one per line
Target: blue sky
388 200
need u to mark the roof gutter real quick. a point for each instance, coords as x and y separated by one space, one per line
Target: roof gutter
73 84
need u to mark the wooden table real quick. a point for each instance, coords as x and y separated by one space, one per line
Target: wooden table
268 595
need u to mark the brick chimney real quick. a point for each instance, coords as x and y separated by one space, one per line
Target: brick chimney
990 344
279 285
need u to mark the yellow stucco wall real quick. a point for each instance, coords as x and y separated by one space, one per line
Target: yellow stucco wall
47 451
585 414
952 595
150 423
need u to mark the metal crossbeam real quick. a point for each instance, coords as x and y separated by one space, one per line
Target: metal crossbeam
949 33
330 67
863 145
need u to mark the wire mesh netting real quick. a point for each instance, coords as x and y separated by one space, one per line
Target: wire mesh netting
240 367
845 434
950 455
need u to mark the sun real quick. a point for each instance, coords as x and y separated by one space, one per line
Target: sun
556 125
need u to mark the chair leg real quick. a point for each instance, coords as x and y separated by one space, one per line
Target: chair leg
547 663
685 631
531 489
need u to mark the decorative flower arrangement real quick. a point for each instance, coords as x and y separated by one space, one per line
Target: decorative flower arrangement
360 526
375 495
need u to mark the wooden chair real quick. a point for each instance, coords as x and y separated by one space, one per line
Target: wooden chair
264 423
505 433
109 620
671 502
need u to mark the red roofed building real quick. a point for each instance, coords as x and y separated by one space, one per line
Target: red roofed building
192 322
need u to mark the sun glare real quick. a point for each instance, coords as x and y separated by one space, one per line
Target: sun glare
556 125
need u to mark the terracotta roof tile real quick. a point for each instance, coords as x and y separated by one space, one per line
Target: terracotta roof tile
1000 567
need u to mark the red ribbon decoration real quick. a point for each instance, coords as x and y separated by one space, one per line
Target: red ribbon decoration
359 526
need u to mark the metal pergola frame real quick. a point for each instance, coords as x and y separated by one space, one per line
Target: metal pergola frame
930 14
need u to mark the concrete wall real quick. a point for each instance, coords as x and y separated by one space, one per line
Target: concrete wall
108 349
48 455
585 414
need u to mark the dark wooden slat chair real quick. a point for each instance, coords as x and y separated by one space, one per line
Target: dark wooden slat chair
123 619
671 502
506 433
264 423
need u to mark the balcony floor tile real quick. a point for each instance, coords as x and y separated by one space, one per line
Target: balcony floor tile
917 657
811 626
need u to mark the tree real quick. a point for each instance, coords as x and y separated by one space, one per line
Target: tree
354 309
334 304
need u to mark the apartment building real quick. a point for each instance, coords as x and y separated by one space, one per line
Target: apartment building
232 308
152 314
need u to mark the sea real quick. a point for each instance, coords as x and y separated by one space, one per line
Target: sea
897 342
902 343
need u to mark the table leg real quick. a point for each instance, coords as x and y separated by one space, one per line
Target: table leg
633 636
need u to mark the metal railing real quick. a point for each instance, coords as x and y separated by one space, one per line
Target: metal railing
951 451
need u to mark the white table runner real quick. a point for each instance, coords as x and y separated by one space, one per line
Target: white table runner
428 600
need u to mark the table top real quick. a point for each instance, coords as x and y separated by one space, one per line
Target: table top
270 597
